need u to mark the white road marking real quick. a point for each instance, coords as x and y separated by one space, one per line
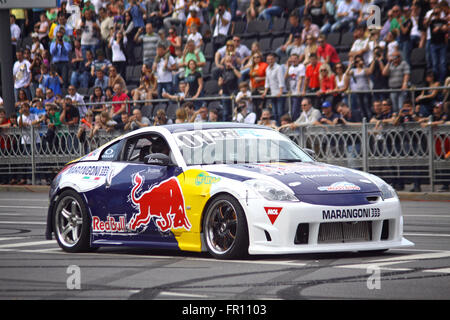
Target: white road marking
46 250
23 222
367 265
442 270
20 200
26 244
268 262
421 256
12 238
25 207
426 216
416 250
34 251
426 234
381 263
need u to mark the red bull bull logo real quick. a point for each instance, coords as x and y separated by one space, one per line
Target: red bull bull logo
164 201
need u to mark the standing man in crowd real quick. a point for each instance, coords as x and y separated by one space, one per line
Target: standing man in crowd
221 22
398 72
228 82
15 33
21 74
275 84
163 66
60 49
438 43
312 73
149 40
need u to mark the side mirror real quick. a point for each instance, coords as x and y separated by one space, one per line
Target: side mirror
310 152
158 159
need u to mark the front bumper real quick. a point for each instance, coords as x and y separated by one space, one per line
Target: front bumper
280 234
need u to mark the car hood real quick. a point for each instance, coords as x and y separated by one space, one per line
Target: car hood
305 179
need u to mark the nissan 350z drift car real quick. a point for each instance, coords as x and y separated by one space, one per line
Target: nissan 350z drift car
229 189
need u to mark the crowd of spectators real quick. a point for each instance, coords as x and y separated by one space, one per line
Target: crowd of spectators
72 61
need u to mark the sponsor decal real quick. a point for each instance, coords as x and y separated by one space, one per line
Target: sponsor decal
340 186
205 178
164 202
89 170
325 175
336 214
273 213
89 178
302 169
91 154
251 132
110 225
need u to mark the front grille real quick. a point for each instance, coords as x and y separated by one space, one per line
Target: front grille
339 232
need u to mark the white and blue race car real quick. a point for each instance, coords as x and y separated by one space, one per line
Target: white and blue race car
229 189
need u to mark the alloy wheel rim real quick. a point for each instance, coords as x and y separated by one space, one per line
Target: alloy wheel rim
221 227
69 221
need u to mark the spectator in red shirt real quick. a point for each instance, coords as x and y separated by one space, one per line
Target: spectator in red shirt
118 108
4 121
312 83
326 52
327 81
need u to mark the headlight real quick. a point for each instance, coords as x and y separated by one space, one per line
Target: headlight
271 191
387 191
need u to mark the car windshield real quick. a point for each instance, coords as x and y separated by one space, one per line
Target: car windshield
237 145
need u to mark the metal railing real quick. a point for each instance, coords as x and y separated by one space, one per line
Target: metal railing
407 152
409 93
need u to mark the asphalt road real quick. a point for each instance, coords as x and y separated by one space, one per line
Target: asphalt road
34 268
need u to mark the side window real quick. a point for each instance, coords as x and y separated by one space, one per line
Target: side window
137 148
112 153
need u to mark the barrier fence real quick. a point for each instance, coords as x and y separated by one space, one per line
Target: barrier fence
400 154
408 153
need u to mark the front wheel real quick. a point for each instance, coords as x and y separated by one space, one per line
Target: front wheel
225 228
71 223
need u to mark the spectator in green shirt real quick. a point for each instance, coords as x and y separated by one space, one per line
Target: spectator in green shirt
396 18
53 123
190 53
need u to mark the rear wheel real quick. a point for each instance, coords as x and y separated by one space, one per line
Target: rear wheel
225 228
71 223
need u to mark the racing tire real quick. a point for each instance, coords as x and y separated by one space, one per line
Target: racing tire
225 228
72 223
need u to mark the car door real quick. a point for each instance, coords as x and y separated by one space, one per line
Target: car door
139 201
